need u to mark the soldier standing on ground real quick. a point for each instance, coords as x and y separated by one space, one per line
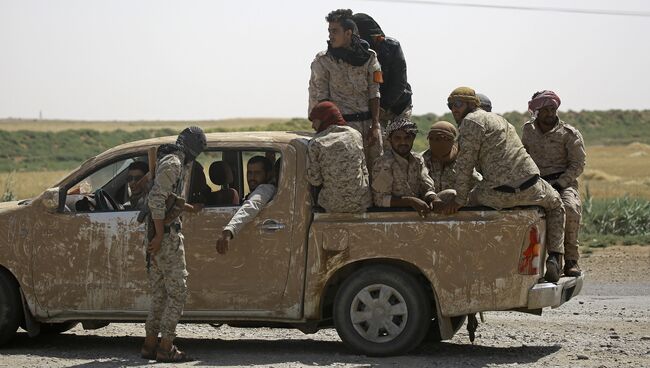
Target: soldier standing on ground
490 144
167 270
336 163
400 178
395 100
559 152
348 74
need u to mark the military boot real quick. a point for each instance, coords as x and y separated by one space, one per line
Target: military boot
571 268
553 268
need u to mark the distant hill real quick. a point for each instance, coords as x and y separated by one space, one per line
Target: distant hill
62 145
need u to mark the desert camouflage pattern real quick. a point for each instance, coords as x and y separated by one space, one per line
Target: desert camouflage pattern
490 144
394 175
167 271
561 149
349 87
371 150
541 194
168 172
337 162
168 280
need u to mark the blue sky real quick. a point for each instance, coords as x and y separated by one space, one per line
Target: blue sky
190 60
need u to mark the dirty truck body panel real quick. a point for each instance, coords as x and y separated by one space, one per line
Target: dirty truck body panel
73 265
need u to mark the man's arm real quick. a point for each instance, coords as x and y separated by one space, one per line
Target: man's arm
167 174
427 187
314 174
374 79
576 157
470 135
319 83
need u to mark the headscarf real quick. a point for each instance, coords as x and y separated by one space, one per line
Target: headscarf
444 148
357 55
328 114
486 104
541 99
464 94
368 28
401 124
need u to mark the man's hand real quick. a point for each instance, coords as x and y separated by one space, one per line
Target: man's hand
374 134
223 242
194 208
419 205
448 208
155 243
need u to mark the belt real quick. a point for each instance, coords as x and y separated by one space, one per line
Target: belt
360 116
554 176
525 185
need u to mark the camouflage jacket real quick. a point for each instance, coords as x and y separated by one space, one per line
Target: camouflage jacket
444 174
335 160
394 175
168 180
560 150
490 144
349 87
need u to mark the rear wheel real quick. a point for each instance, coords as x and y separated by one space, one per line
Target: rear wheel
10 308
381 311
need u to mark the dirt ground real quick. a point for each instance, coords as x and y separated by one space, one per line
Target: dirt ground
608 325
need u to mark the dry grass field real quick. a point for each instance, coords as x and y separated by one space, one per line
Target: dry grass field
612 171
59 125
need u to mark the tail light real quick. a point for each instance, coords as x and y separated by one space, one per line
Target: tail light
530 259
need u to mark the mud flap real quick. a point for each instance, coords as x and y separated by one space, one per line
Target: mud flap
32 326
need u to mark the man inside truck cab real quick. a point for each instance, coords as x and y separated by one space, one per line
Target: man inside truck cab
399 177
259 175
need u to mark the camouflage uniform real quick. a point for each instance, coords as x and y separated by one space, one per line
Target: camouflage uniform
336 161
394 175
350 88
560 151
491 145
167 272
444 177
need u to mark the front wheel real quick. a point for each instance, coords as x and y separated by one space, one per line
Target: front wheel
10 308
382 311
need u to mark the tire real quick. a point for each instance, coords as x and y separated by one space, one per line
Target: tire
10 308
389 309
434 329
56 328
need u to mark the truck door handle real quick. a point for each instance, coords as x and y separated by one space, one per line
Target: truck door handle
271 225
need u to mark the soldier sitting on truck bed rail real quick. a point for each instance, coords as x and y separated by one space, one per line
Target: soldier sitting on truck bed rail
259 175
400 178
559 152
336 163
510 177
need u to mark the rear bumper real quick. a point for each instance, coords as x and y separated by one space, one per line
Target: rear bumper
553 295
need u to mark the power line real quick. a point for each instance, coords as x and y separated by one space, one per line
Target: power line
631 13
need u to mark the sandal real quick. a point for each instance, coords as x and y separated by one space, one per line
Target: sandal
148 354
172 356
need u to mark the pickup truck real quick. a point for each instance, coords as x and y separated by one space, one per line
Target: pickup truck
385 279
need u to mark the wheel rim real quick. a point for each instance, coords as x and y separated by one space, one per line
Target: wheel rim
379 313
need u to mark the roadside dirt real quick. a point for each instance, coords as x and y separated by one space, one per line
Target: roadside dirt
608 325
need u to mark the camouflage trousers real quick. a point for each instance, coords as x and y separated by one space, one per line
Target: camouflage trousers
573 206
373 151
541 194
167 279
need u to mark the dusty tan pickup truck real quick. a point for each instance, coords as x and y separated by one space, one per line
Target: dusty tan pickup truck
385 279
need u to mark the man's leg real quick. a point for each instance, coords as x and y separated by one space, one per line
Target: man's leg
158 303
573 207
172 263
372 151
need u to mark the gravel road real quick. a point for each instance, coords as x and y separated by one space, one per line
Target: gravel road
608 325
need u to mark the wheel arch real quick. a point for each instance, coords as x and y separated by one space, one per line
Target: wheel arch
336 280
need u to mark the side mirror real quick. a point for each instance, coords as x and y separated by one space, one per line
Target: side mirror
50 199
